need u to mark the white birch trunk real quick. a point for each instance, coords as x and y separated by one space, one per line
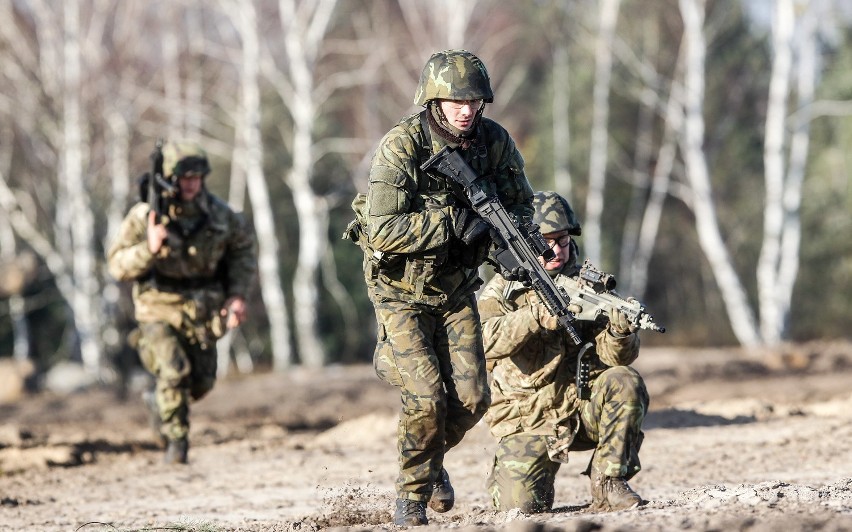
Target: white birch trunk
640 183
169 22
118 155
561 129
312 242
251 144
709 237
600 118
195 72
304 30
440 24
773 160
650 225
86 314
806 70
641 179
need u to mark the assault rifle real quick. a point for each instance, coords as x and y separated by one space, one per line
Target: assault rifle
518 244
593 293
156 189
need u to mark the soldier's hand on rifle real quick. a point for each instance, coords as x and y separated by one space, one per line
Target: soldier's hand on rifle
234 311
620 325
157 233
467 225
517 274
542 315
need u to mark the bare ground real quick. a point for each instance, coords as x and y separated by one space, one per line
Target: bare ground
735 440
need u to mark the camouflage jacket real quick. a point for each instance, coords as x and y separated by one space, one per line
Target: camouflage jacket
208 257
532 368
407 212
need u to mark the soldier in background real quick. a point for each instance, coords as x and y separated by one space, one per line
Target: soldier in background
423 247
191 271
537 414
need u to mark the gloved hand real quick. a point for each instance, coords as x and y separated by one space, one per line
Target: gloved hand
467 225
517 274
541 314
620 325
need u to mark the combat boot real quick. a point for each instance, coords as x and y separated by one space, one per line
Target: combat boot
176 451
611 494
149 399
410 513
443 495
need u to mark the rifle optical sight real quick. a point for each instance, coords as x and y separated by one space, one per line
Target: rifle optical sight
598 280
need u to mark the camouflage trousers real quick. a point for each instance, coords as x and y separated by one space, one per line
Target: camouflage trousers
182 370
435 357
523 475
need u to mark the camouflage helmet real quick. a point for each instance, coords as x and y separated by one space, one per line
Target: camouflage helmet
553 214
453 75
180 157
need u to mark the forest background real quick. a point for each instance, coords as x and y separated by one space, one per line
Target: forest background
704 146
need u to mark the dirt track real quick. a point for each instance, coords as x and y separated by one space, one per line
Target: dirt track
734 441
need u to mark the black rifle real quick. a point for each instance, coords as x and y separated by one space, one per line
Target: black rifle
159 191
518 244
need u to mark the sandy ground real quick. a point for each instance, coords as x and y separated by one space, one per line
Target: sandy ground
734 441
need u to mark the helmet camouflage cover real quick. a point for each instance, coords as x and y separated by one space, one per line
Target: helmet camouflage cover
453 75
553 214
181 157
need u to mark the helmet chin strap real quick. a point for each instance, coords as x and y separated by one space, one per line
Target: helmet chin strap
450 133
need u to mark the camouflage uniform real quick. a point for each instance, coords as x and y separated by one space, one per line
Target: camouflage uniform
209 256
536 413
421 277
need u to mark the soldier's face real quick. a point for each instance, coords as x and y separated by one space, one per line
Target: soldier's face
190 186
460 113
560 243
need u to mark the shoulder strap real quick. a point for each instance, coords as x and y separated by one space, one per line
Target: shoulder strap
427 135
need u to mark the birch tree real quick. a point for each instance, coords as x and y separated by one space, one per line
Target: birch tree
86 284
304 92
555 20
442 24
249 147
640 181
778 263
600 126
709 235
67 244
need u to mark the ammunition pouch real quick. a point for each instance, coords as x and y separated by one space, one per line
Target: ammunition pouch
421 270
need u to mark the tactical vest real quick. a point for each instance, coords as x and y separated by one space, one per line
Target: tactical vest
413 270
